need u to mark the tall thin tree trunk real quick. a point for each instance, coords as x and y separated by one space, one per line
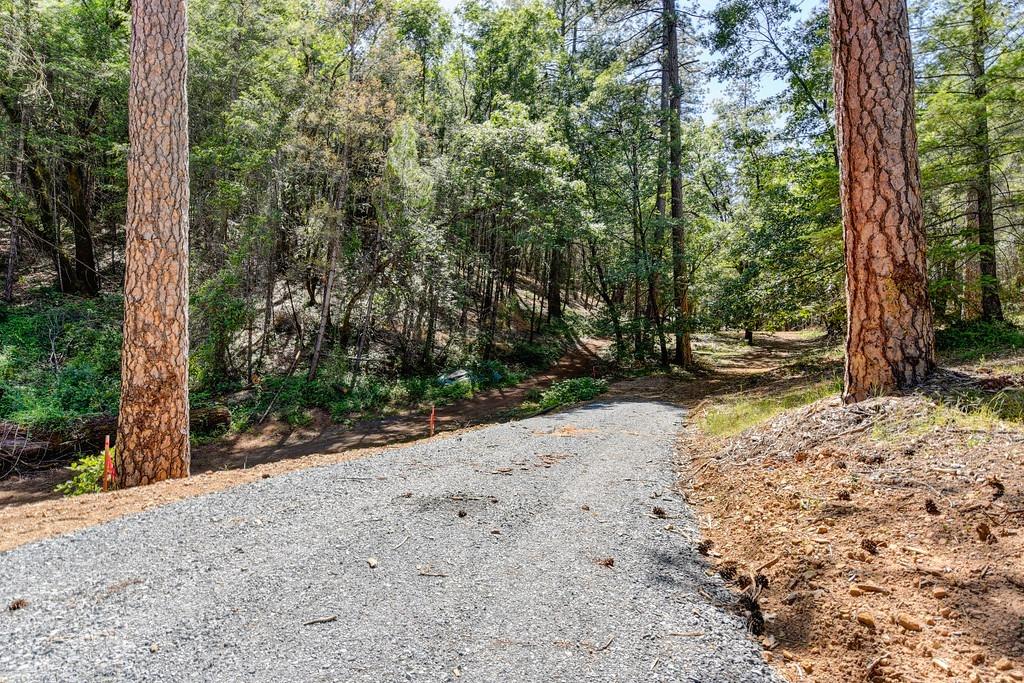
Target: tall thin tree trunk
153 421
325 308
12 256
271 264
970 302
991 306
12 260
889 339
364 338
555 284
80 217
654 279
683 352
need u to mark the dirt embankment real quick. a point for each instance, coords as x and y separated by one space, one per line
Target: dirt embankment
882 541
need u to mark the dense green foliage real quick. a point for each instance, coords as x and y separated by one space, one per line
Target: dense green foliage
973 340
59 358
383 191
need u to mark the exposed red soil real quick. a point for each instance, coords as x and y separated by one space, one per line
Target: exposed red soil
890 536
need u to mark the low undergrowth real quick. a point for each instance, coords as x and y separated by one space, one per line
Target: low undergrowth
978 340
566 392
60 364
88 476
59 359
292 398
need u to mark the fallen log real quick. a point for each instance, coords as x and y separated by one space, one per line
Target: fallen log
24 449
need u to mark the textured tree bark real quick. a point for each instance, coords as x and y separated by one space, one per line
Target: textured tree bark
889 338
79 214
153 422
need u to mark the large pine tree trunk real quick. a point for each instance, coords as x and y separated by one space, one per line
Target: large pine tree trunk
889 340
153 421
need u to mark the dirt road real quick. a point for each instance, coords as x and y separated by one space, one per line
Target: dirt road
551 549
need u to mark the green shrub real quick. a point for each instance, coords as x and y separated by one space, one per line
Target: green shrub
566 392
974 340
88 477
220 314
572 391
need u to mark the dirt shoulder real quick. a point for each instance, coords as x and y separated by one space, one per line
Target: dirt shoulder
882 541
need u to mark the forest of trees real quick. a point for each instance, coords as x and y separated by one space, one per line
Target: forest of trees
386 188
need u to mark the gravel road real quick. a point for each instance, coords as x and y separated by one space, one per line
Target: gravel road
489 553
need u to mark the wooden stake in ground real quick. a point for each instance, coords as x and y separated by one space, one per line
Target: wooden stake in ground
152 430
889 340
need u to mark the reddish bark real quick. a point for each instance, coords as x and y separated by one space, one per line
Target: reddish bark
153 422
889 341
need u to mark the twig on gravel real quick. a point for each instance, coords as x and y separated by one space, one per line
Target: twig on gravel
686 634
769 564
402 543
855 430
322 620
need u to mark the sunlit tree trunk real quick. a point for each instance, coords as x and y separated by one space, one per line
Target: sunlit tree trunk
889 340
152 430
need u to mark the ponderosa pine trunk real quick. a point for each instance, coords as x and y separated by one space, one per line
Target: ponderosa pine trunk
889 338
153 421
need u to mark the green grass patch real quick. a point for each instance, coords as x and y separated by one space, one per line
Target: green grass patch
976 410
734 417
